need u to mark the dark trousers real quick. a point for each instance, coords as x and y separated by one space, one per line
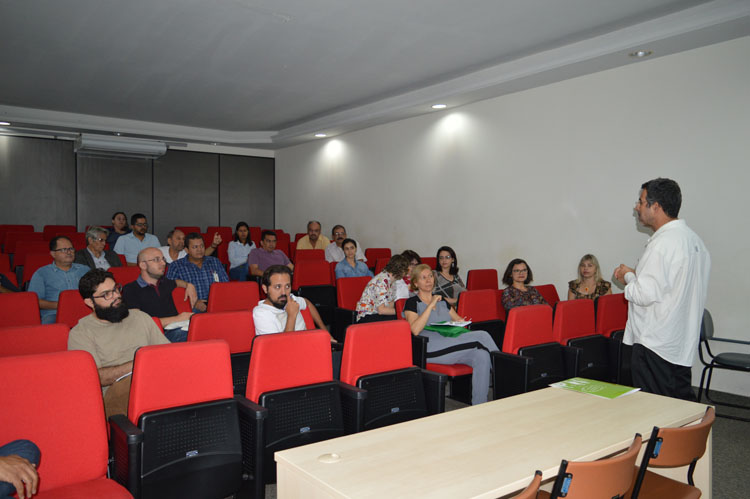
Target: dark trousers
376 318
653 374
21 448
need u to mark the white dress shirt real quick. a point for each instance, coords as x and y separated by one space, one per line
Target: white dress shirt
336 254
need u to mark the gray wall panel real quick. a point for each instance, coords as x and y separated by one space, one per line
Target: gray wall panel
108 185
247 190
186 191
37 181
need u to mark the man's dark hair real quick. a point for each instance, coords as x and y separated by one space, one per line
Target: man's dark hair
267 233
313 222
397 266
666 192
91 280
454 264
53 242
508 276
333 231
170 233
192 236
135 218
273 270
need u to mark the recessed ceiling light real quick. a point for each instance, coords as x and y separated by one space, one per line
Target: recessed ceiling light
639 54
117 134
439 106
4 123
215 143
321 135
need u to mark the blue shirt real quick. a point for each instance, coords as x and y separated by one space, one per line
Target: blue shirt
130 246
343 269
48 281
202 277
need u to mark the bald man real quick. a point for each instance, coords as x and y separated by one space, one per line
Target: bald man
152 293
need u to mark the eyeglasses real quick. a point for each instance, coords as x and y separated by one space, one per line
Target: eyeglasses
110 293
445 257
98 240
520 271
143 224
336 234
158 259
66 250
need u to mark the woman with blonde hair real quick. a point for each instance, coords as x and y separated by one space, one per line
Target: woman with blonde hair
589 284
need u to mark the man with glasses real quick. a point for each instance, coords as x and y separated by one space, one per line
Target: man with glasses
335 251
48 281
152 293
261 258
131 244
94 255
198 269
112 334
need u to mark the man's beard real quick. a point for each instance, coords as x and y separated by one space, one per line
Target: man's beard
279 304
112 314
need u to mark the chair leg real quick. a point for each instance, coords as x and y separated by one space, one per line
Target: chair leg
725 404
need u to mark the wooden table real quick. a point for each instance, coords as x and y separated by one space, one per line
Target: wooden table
489 450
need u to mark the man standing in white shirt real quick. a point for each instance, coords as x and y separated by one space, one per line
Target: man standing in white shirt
666 294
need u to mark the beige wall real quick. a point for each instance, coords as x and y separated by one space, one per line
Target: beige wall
550 174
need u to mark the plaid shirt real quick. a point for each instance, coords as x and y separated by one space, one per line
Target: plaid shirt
201 277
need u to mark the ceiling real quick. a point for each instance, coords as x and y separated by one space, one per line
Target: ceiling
269 74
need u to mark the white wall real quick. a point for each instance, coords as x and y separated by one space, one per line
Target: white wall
551 173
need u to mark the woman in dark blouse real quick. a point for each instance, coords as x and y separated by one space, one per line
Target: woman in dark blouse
519 292
589 284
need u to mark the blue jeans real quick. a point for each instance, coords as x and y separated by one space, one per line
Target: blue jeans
22 448
238 273
176 335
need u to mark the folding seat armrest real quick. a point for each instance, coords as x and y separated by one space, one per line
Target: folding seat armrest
353 407
434 391
419 350
252 417
126 439
510 373
571 357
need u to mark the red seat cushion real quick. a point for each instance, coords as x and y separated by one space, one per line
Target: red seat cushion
100 487
450 369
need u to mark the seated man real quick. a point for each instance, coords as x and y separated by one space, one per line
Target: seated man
48 281
152 293
112 334
175 248
261 258
94 256
131 244
18 462
313 239
198 269
335 250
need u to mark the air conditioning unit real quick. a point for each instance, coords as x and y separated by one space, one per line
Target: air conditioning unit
117 147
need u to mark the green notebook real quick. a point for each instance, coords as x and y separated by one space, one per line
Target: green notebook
594 387
447 329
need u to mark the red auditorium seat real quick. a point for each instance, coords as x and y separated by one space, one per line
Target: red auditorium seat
30 340
482 279
71 308
233 295
19 309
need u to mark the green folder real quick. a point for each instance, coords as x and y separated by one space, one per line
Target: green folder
446 330
594 387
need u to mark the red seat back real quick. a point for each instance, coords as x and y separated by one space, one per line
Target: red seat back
573 319
29 340
481 279
221 251
333 271
50 231
549 293
236 328
255 233
233 295
287 360
226 233
187 229
5 228
19 309
25 248
499 304
180 303
478 305
4 262
526 326
179 374
307 316
33 262
400 308
77 238
311 273
312 254
71 308
55 400
299 235
349 291
611 313
282 243
430 261
375 347
372 254
124 275
380 264
12 238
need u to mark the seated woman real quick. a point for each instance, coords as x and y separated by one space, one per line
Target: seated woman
589 284
518 293
238 251
119 228
350 266
471 348
402 285
377 302
447 282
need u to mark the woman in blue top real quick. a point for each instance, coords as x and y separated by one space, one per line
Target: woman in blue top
350 266
238 251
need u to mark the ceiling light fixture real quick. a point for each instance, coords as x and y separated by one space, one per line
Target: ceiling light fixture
321 135
117 134
640 54
215 143
4 123
439 106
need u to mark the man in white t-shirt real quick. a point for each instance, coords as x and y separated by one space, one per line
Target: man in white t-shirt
175 248
281 311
